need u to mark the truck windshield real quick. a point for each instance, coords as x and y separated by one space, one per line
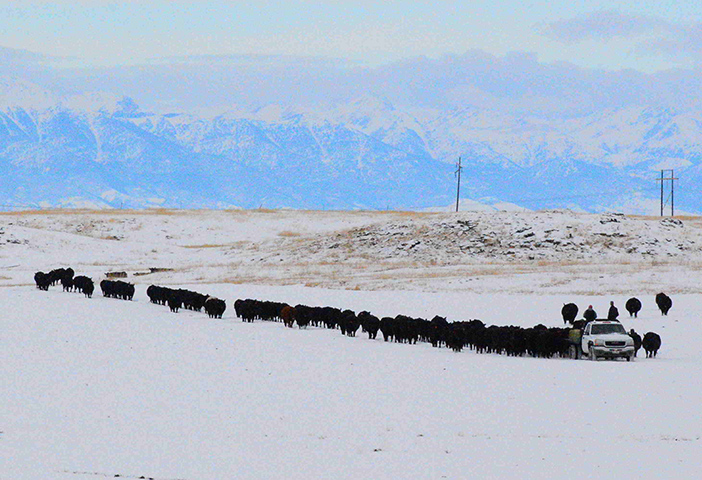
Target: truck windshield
607 328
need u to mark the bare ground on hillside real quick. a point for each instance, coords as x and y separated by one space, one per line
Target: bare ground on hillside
506 252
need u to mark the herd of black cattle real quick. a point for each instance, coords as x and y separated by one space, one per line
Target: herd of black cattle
180 298
65 276
539 341
175 299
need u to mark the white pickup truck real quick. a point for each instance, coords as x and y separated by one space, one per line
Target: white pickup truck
606 339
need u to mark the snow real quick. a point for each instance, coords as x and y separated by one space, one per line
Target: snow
101 387
112 387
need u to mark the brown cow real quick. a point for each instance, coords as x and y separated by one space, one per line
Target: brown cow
288 315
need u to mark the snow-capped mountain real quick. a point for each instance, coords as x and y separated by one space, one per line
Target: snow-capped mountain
126 157
102 150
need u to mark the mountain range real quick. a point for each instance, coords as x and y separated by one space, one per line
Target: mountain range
103 150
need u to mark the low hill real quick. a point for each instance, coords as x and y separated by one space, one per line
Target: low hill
539 252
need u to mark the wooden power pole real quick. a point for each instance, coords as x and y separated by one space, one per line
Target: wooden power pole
663 180
458 185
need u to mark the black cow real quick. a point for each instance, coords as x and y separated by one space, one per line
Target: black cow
215 307
406 329
42 280
246 309
117 289
438 330
633 306
664 303
569 312
174 301
84 285
303 315
59 274
349 323
192 300
106 287
637 340
154 293
455 336
370 324
89 288
56 275
387 327
651 343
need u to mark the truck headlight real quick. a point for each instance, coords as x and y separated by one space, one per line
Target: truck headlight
599 343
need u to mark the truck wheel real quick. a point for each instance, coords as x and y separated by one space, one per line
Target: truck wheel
591 354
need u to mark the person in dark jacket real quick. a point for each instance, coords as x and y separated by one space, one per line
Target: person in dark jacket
590 314
613 312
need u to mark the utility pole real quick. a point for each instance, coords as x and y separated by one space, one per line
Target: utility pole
663 180
458 186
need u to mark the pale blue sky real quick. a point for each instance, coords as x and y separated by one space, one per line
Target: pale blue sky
645 35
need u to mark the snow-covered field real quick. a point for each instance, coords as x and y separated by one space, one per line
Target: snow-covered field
104 388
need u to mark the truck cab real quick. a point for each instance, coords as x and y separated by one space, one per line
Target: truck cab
606 339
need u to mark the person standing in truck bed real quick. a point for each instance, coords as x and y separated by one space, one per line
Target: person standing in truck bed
590 314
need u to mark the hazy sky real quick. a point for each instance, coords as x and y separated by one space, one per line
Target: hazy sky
647 35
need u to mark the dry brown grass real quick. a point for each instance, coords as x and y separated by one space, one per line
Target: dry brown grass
265 210
684 218
206 245
412 214
288 233
560 263
238 280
